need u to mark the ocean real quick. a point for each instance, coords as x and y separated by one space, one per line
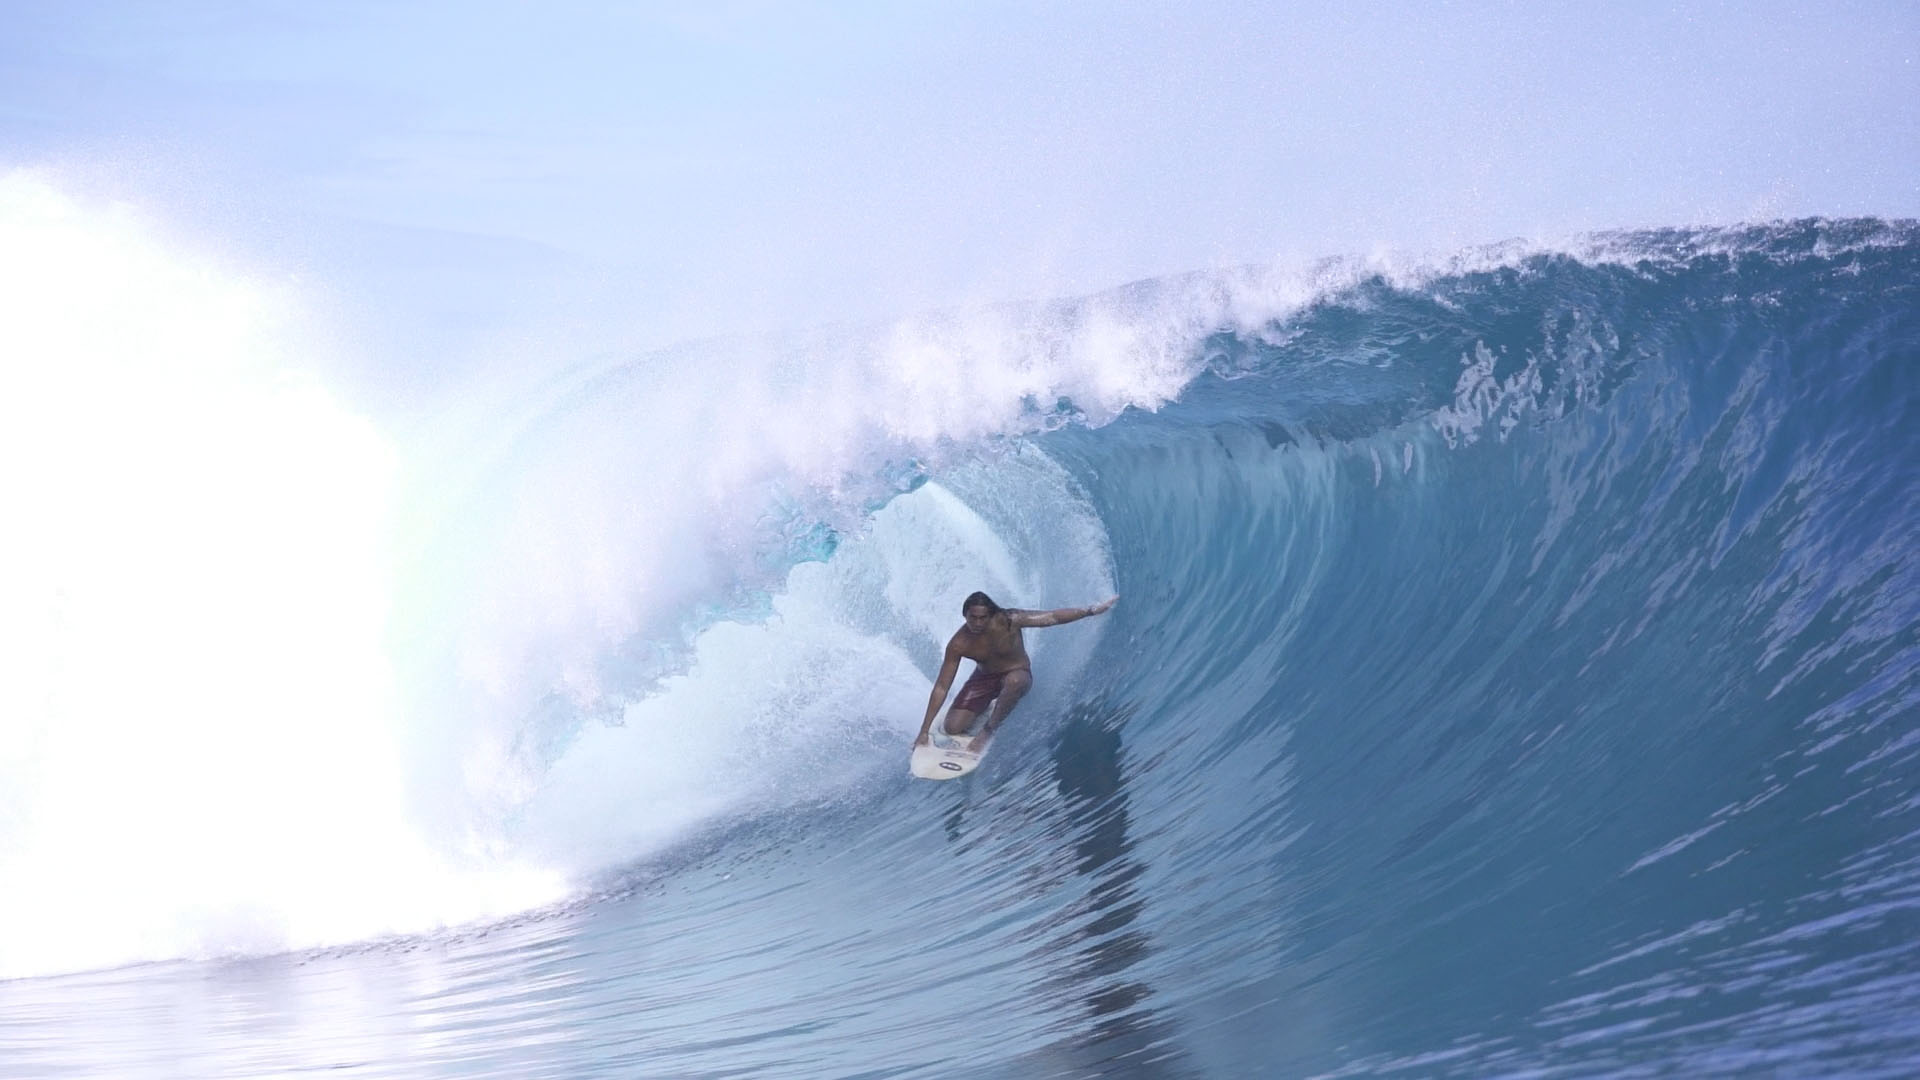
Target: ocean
1516 673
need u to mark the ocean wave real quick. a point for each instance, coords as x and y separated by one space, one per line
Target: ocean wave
1516 670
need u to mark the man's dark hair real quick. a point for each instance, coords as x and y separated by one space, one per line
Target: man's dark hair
980 599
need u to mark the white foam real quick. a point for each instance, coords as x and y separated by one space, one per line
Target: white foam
197 752
827 692
209 698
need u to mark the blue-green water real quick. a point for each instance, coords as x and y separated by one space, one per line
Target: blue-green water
1517 673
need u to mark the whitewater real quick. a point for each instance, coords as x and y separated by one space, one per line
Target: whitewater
1516 673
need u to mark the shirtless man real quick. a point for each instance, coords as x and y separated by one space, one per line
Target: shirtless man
1002 672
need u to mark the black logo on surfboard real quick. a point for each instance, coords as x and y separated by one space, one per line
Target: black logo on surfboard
950 766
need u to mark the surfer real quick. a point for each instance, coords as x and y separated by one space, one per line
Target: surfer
1002 673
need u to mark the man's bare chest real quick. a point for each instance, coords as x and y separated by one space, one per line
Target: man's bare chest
994 646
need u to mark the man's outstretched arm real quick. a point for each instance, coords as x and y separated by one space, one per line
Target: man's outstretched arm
1061 616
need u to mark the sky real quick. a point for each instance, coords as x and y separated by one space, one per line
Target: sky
623 176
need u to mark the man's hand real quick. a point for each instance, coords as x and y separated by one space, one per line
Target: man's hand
1103 606
923 740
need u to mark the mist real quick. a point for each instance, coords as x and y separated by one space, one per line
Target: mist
462 186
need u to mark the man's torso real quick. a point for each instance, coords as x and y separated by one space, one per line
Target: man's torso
996 649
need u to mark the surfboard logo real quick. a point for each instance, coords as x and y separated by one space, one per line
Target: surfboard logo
949 766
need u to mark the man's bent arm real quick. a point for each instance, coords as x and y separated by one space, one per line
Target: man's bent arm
1061 616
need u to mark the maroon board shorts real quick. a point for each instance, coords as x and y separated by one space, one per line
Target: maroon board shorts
981 689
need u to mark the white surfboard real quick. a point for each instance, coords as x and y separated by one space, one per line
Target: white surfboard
947 757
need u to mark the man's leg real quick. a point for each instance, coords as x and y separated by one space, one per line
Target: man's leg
1011 691
958 723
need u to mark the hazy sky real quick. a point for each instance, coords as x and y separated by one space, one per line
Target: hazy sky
683 170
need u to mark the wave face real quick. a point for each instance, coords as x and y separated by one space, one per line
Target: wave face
1531 660
1517 672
